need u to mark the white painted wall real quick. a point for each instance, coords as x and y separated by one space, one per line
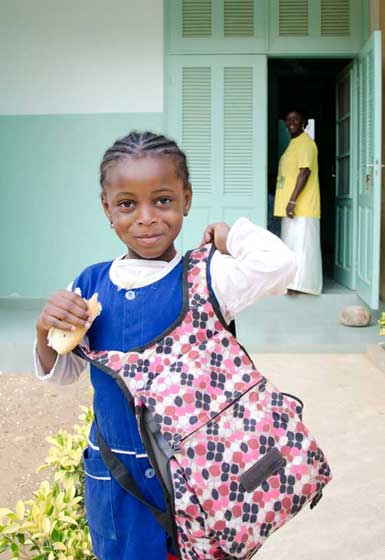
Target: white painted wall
81 56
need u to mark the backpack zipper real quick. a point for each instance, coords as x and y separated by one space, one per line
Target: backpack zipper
223 409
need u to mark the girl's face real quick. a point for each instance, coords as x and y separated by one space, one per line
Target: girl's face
145 201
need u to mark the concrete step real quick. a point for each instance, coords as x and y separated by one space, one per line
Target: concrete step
17 332
278 324
304 323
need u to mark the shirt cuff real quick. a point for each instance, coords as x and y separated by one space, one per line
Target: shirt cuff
66 369
39 372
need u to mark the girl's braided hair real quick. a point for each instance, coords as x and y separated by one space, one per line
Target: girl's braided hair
141 144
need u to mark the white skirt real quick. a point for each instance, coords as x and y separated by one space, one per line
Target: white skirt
302 236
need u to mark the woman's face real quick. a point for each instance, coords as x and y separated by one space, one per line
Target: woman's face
294 123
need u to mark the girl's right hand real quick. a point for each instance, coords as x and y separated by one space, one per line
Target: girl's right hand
217 233
64 310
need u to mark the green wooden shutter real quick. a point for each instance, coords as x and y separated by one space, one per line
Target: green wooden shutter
215 103
334 21
238 18
335 18
196 125
196 18
260 26
293 18
215 26
238 131
316 26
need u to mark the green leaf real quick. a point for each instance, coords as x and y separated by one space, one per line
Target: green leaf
56 536
20 510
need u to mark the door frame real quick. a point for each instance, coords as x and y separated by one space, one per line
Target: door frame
354 143
369 198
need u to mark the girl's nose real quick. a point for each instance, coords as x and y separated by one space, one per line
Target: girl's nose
146 215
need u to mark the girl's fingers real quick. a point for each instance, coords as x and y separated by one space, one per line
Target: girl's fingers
216 233
58 324
68 316
207 236
65 311
71 304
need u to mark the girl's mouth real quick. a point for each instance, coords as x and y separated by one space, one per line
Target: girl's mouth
148 240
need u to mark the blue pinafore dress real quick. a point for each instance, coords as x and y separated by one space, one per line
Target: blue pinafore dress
121 527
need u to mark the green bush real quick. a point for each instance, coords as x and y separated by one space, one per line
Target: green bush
52 525
381 324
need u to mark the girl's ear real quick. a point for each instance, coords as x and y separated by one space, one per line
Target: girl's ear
104 202
187 201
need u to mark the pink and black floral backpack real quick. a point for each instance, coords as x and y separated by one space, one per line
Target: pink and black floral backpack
231 451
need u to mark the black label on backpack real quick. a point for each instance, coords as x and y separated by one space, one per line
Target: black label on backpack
262 469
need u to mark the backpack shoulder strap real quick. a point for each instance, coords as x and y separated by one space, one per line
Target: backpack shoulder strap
200 292
123 477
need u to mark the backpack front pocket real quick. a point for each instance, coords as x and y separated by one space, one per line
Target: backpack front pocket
250 469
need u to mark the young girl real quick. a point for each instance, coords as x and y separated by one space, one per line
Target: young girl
145 194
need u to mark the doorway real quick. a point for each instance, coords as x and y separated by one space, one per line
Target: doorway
310 85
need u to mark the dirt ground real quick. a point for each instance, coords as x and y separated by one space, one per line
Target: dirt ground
344 396
29 412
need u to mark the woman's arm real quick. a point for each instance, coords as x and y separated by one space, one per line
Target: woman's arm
300 184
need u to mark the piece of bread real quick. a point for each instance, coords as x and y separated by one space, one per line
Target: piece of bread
65 341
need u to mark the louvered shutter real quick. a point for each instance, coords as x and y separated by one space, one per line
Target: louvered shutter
196 18
261 26
293 18
196 125
238 18
316 26
335 18
197 26
238 131
215 106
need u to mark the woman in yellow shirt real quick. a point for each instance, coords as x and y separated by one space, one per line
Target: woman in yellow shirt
297 201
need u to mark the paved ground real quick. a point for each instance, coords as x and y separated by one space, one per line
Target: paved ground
344 397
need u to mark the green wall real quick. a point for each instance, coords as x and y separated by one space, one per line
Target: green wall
52 222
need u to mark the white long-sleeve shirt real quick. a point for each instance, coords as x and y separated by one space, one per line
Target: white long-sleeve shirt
258 265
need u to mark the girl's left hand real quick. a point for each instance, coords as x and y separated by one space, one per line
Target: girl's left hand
217 234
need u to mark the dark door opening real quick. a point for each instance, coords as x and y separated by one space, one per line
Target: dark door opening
309 84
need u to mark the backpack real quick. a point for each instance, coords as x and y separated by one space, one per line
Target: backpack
232 454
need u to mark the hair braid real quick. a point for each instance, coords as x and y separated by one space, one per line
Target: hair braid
141 144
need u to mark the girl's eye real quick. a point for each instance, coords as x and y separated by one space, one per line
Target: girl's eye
164 200
126 204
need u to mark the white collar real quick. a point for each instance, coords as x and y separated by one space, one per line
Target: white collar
137 273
